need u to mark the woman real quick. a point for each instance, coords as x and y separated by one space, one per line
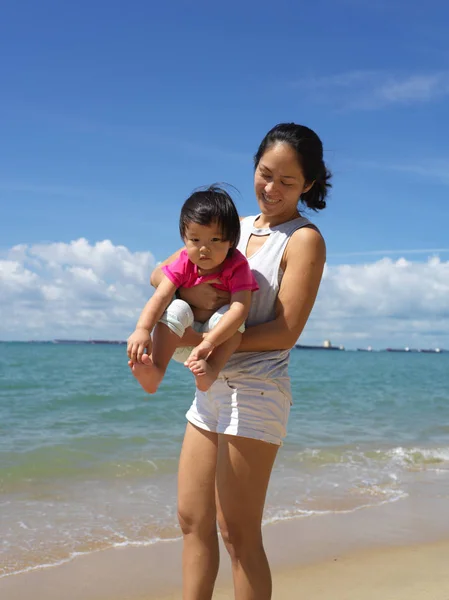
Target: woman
235 429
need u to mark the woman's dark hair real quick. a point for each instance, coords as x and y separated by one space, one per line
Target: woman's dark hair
209 205
309 150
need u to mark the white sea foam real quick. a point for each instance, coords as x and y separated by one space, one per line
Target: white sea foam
73 555
284 515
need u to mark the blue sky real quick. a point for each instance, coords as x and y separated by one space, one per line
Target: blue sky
112 112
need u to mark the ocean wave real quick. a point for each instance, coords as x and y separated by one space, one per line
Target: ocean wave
406 457
287 514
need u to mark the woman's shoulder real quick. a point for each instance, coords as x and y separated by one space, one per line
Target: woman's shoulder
306 240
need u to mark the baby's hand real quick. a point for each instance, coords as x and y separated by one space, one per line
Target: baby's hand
200 352
139 343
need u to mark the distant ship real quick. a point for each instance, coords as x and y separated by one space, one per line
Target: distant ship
326 346
401 350
432 350
424 350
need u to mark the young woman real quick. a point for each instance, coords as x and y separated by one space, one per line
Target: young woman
236 427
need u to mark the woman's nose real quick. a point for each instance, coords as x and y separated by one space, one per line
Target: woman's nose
270 187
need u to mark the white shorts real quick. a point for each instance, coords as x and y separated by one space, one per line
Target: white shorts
249 407
179 316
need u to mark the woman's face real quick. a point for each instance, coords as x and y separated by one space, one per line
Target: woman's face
279 183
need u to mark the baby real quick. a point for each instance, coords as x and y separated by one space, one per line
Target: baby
210 228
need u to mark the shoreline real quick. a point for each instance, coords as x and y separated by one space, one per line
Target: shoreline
300 550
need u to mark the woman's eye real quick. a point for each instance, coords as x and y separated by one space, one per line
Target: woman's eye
287 184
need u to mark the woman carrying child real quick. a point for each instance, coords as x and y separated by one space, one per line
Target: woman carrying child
236 427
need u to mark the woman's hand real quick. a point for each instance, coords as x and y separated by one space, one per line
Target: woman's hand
204 296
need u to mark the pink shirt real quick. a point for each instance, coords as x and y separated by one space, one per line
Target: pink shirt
235 274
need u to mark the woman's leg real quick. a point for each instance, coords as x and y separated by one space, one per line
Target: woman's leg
197 512
244 467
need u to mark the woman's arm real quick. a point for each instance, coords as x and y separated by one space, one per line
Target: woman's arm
157 274
305 257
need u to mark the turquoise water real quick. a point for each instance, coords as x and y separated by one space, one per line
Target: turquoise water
88 461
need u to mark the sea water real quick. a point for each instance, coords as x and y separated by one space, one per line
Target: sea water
89 461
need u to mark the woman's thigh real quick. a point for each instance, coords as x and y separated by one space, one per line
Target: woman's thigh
196 478
244 467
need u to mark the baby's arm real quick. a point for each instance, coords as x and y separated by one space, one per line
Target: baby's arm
226 327
140 339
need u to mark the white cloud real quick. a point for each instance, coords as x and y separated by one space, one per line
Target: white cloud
81 290
75 290
370 89
386 302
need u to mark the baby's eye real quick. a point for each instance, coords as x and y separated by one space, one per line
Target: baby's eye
216 239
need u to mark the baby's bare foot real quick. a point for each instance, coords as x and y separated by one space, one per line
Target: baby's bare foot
147 374
205 375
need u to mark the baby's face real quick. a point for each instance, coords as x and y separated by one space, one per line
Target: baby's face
205 245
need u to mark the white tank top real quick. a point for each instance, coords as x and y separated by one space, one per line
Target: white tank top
265 264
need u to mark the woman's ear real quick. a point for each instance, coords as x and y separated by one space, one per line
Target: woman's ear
308 187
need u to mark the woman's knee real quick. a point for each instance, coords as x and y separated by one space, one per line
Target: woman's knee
193 521
241 537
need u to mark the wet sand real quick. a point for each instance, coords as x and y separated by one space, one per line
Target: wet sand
398 551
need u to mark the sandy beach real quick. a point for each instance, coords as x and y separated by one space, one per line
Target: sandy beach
396 551
406 573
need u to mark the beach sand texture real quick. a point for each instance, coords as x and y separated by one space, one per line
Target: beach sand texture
397 551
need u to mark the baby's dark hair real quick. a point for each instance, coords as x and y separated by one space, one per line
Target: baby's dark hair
309 150
212 205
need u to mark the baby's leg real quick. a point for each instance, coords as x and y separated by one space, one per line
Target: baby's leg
207 371
166 336
151 371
